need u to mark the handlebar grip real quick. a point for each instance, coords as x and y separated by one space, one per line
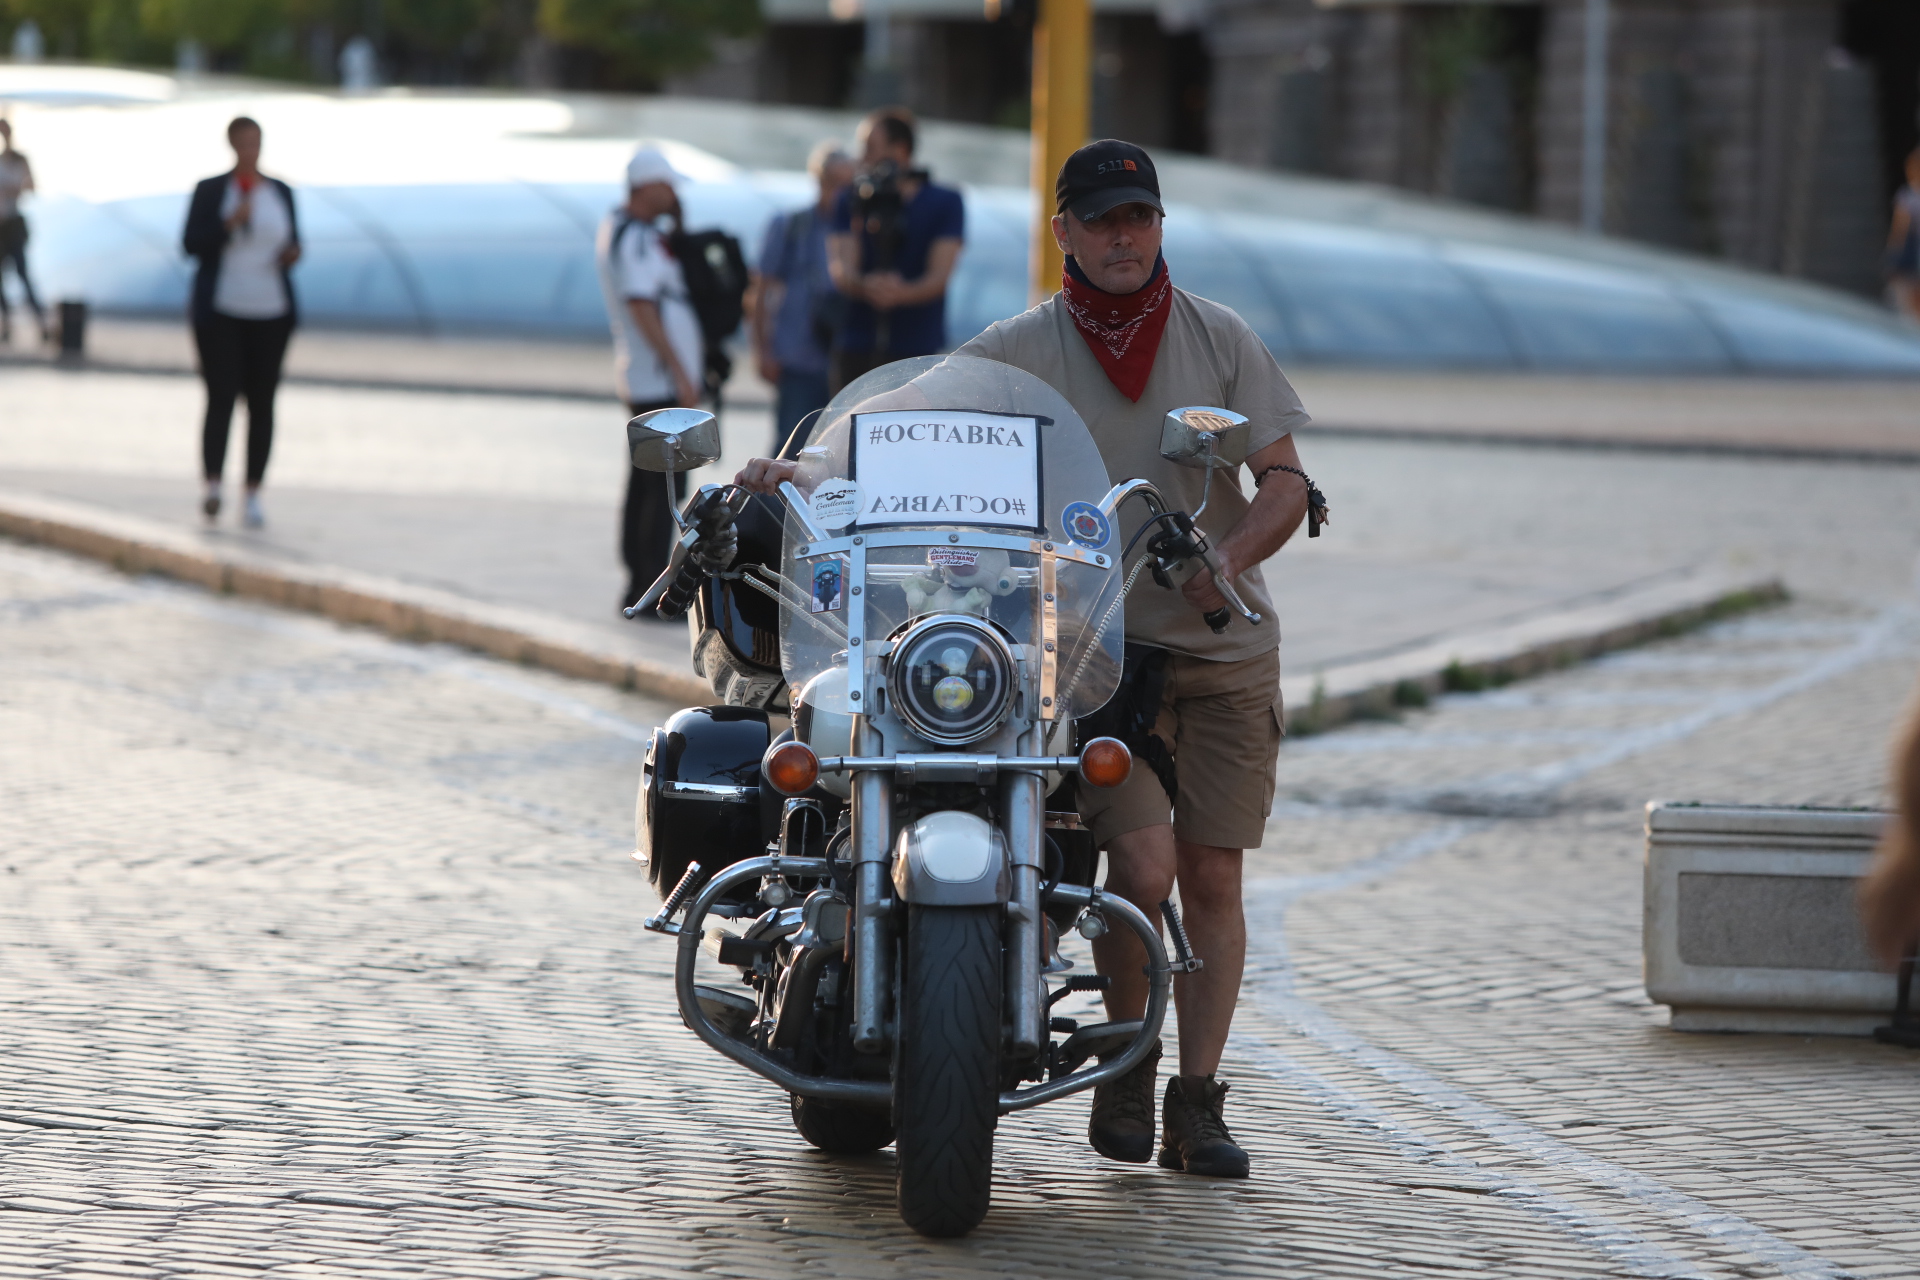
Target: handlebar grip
674 602
1218 619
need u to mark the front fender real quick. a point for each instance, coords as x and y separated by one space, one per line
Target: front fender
951 859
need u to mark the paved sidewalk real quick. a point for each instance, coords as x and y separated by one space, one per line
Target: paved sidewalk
1812 416
514 500
322 958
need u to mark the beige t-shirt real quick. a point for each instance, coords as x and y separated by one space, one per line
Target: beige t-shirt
1208 356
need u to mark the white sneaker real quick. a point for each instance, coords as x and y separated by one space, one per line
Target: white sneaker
253 518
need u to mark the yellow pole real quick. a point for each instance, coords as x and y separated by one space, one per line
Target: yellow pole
1062 89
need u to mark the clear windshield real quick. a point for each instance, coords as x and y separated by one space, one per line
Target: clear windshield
990 464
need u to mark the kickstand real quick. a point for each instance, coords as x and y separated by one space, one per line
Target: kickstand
1904 1030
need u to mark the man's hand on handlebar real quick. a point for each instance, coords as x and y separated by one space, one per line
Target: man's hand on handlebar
764 475
1199 589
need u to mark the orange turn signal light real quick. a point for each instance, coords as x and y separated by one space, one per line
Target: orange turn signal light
1105 762
791 768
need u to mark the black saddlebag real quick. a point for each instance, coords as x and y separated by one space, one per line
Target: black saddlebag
700 797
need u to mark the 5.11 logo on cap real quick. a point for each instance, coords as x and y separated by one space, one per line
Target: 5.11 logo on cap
1116 166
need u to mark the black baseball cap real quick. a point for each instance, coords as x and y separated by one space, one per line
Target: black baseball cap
1104 175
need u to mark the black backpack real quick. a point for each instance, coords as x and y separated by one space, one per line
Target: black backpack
716 274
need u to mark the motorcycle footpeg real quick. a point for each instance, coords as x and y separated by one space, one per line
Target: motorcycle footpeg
730 1011
1080 982
1184 961
1096 1040
662 922
731 948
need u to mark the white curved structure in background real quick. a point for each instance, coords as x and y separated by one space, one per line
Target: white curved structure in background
475 211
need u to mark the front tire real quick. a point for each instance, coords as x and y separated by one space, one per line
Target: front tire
841 1130
946 1092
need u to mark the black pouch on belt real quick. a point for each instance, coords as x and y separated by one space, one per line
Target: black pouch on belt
1130 714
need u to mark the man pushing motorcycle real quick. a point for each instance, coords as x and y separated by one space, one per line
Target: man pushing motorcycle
1126 347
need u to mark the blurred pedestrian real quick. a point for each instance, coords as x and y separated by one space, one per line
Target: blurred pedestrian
658 348
242 228
896 238
1890 896
794 301
1903 242
16 179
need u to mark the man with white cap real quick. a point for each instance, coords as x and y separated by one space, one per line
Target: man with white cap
658 351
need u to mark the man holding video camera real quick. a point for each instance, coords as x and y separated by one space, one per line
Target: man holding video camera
896 237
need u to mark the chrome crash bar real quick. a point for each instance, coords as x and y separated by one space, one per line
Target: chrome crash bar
875 1093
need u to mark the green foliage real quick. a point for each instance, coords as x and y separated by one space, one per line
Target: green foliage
67 25
645 40
217 24
1455 40
1304 724
624 44
1409 693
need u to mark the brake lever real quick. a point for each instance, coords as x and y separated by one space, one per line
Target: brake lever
1175 553
1225 584
660 584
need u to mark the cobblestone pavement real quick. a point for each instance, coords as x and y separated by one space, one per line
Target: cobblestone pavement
319 955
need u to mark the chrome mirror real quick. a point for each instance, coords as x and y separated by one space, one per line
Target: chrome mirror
674 439
1209 439
1198 436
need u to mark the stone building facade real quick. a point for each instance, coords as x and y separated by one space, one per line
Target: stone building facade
1768 132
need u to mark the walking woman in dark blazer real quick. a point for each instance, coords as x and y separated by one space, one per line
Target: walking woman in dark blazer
241 226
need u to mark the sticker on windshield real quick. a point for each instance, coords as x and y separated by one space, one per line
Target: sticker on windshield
947 466
1086 524
829 586
952 556
836 503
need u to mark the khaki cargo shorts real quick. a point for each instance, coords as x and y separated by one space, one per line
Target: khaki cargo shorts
1223 722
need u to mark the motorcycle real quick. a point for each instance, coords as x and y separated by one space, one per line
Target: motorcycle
932 602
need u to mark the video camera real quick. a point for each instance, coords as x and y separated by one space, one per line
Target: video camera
881 210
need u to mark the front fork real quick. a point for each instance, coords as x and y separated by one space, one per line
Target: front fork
1023 815
1023 821
872 899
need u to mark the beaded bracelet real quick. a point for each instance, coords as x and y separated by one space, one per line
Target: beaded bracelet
1316 501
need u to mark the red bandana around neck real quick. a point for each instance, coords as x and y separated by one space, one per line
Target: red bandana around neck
1122 329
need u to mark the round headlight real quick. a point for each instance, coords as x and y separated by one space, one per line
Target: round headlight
951 680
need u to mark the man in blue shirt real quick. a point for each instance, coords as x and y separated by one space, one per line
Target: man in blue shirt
792 321
896 237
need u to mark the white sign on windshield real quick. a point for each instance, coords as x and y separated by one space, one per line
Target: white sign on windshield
942 466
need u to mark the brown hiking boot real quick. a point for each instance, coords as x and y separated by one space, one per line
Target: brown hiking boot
1121 1126
1196 1139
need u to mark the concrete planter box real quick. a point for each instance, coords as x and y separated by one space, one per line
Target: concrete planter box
1751 923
